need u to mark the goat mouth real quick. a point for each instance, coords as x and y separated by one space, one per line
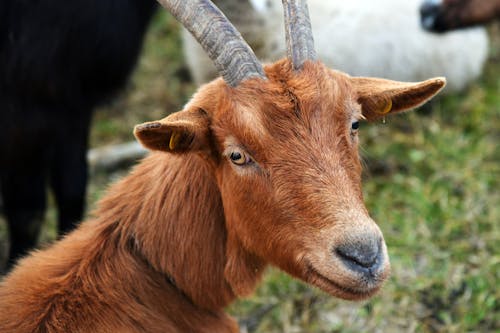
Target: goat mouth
336 289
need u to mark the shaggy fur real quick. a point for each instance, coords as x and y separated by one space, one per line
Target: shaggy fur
362 38
446 15
190 229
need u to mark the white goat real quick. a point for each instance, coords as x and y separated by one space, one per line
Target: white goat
363 38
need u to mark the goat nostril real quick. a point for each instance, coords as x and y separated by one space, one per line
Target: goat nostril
361 260
360 256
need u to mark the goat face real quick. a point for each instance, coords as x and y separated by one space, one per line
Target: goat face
285 156
446 15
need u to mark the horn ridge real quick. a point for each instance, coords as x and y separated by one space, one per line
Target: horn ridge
232 56
298 32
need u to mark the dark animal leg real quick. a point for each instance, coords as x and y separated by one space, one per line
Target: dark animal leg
68 177
24 200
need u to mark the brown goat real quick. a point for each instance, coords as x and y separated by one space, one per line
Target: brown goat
446 15
265 171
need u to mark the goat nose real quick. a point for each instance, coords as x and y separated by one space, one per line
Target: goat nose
361 256
428 12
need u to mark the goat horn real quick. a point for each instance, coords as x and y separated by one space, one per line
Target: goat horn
232 56
299 37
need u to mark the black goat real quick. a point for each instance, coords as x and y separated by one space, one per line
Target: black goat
58 61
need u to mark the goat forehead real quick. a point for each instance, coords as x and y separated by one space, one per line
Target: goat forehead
324 110
301 98
250 118
315 102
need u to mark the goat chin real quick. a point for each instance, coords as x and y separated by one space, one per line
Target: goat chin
363 38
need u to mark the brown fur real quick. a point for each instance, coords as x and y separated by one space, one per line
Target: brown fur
188 231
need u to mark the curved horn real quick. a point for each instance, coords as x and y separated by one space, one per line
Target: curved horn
299 37
232 56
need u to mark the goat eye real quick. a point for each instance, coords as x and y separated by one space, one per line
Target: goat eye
239 158
355 125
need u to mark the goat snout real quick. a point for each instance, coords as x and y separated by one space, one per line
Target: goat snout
364 256
429 12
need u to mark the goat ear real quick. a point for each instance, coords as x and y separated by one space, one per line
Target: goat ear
380 97
243 270
182 131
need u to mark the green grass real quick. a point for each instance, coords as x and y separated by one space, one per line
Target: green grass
432 185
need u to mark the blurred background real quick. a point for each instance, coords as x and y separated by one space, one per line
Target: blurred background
431 182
